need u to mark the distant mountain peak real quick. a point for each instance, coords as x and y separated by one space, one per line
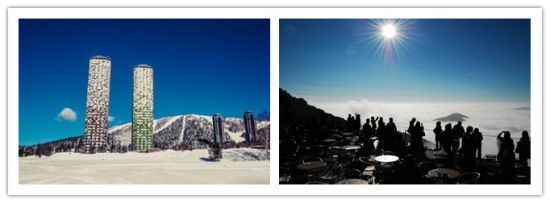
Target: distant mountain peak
452 117
523 108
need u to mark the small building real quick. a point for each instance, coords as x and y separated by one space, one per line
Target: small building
217 121
216 146
249 125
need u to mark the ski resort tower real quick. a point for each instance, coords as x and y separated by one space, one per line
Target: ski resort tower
217 120
249 125
142 108
97 104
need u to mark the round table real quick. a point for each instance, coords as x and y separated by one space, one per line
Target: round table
350 151
350 147
336 136
328 140
435 173
337 150
353 181
386 158
347 134
366 160
311 165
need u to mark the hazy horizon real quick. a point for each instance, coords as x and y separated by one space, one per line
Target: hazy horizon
490 117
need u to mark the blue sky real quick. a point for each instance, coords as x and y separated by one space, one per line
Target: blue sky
200 66
430 59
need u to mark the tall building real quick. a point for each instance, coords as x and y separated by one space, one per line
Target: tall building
249 125
217 120
142 108
97 103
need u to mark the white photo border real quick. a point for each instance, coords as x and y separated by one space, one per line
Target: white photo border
274 14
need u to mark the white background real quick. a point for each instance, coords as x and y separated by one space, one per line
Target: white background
274 102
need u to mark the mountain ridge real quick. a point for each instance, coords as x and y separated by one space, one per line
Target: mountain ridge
454 117
181 132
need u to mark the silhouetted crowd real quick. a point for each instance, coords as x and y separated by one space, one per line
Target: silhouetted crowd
316 147
459 144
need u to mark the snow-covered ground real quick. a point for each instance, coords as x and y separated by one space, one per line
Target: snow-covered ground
239 166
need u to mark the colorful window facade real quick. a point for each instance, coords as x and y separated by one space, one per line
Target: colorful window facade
142 108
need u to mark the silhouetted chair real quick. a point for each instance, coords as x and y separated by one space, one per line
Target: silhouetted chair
353 173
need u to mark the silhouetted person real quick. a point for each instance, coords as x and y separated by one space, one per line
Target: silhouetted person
478 139
357 123
506 156
447 138
524 148
437 131
416 137
373 124
349 122
411 126
381 133
391 129
458 132
420 128
367 129
367 134
391 126
468 149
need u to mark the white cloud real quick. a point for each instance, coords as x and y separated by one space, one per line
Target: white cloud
66 114
490 117
111 118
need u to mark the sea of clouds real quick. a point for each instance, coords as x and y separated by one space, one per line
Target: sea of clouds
490 117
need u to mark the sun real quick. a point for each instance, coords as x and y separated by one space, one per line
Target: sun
389 31
391 39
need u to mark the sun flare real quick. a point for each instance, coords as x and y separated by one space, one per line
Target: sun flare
389 31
